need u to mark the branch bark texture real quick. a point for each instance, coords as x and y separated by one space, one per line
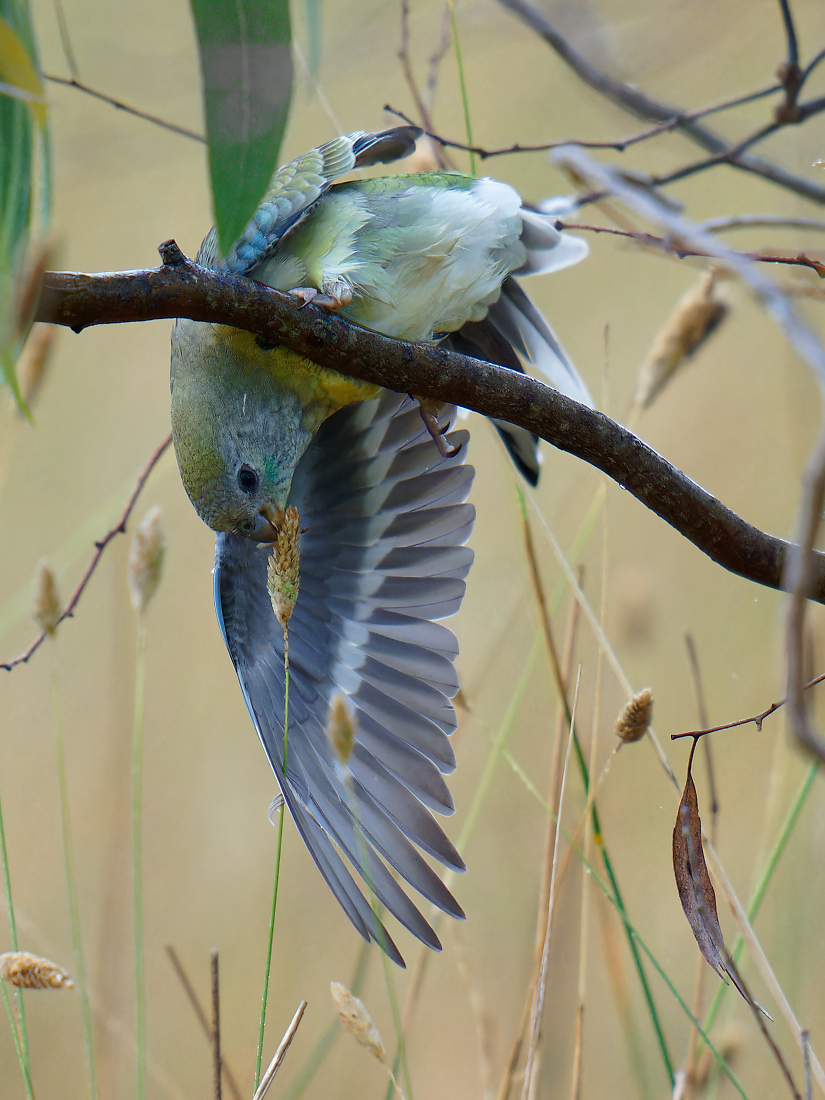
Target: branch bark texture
182 289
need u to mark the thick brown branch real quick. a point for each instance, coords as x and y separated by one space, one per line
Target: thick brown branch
184 290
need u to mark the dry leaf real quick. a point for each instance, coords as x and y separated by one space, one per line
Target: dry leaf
695 888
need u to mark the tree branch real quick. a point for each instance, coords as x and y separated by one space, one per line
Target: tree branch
637 102
182 289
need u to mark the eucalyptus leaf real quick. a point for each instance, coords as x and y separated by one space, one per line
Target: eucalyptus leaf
246 66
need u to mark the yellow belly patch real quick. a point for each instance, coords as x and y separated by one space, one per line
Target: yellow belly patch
313 384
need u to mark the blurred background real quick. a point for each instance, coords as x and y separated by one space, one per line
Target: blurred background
740 420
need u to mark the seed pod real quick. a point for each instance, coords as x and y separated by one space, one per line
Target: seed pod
283 567
46 600
632 724
28 971
697 314
357 1021
146 559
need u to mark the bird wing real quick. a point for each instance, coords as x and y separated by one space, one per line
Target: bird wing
514 327
296 187
384 520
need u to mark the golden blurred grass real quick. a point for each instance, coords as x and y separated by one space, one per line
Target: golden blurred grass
740 421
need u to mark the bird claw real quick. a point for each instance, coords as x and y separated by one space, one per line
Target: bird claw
429 410
333 298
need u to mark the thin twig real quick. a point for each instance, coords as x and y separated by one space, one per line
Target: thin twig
538 1004
789 71
200 1015
637 102
757 953
100 546
693 660
805 1035
759 221
283 1047
757 719
618 145
121 106
678 249
790 33
562 720
216 1023
799 569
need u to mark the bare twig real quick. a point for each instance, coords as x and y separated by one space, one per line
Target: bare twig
678 249
637 102
757 719
619 144
789 71
200 1015
73 82
799 570
184 290
759 958
118 529
759 221
538 1004
216 1023
693 660
280 1053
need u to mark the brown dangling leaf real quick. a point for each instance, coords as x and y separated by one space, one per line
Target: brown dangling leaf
695 888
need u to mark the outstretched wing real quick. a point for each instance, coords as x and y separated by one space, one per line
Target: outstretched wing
384 520
514 328
296 187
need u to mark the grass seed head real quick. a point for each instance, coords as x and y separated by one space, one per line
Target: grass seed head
46 601
341 728
633 722
357 1021
28 971
283 567
697 314
34 359
146 559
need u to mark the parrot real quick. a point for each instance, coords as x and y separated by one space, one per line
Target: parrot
380 489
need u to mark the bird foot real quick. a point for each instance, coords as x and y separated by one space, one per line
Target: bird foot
429 414
333 297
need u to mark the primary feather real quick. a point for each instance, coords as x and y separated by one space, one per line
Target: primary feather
259 429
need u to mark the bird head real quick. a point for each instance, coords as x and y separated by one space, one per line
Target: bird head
237 446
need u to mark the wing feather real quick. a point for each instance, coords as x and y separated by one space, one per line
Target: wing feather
384 521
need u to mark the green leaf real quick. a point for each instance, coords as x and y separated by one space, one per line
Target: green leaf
246 65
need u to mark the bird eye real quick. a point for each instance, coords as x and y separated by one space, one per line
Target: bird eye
247 479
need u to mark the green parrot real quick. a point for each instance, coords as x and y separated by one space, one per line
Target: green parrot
382 498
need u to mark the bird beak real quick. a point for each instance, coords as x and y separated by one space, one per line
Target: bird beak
270 518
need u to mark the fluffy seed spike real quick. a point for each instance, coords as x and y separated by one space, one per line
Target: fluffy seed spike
357 1021
46 600
283 568
146 559
696 315
28 971
341 728
633 722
